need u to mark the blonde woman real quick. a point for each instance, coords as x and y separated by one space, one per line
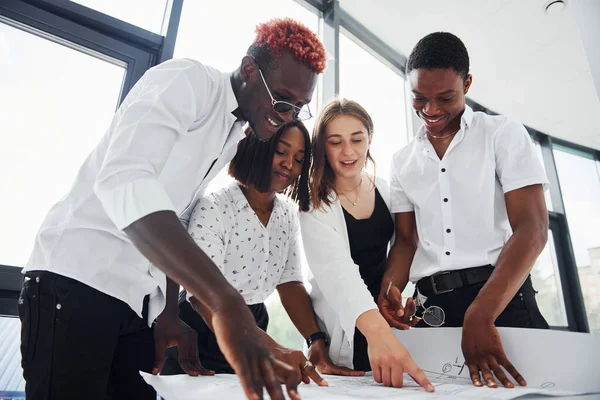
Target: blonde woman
346 235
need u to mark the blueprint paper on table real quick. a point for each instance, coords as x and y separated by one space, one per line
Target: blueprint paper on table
222 386
547 359
553 363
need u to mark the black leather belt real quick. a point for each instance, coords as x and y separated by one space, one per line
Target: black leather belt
447 281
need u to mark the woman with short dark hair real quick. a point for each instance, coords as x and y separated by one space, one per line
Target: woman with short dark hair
252 234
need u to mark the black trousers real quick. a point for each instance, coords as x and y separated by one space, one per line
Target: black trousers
78 343
209 352
521 312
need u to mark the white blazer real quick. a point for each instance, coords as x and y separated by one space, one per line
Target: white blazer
339 294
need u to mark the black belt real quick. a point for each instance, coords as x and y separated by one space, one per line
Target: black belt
447 281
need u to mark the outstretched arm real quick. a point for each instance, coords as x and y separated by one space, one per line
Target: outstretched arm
298 306
481 343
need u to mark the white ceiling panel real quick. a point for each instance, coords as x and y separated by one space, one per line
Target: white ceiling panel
525 64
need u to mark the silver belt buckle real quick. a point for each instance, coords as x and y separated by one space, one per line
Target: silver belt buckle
434 287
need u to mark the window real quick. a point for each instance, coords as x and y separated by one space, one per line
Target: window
147 14
546 281
208 34
380 90
580 185
56 103
11 374
538 148
280 326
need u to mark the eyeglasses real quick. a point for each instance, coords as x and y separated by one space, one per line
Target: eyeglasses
283 107
433 316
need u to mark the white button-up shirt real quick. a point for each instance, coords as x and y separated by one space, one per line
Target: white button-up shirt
459 201
253 258
156 155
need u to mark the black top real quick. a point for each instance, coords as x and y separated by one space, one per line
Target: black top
369 239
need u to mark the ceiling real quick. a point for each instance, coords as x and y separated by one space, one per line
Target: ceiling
525 64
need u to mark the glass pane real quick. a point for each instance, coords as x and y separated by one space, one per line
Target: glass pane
580 186
11 374
546 281
147 14
56 103
226 47
224 50
281 328
538 147
380 91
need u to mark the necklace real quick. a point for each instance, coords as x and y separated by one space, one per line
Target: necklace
354 188
357 195
442 137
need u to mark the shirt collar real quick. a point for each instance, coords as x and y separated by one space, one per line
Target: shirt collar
231 104
466 120
467 117
238 198
230 100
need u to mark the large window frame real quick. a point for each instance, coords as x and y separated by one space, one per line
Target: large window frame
97 34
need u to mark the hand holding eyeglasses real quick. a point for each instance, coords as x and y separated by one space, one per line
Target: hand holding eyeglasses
396 315
404 317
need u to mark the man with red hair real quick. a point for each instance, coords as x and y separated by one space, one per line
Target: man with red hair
100 273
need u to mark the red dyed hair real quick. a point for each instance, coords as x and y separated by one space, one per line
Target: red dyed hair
286 34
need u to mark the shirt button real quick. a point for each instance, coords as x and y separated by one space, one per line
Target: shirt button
447 253
448 230
443 169
445 199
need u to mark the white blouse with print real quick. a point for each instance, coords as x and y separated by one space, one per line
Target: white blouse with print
253 258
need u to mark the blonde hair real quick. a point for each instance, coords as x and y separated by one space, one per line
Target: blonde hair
321 173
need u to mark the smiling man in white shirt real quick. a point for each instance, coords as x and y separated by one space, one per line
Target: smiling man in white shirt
97 278
471 219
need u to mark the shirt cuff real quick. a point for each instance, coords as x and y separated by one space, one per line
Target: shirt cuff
291 278
132 201
402 208
351 306
348 321
525 182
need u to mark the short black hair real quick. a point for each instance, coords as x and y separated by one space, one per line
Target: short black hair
440 50
263 56
253 164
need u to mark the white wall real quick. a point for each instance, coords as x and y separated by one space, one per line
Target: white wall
587 17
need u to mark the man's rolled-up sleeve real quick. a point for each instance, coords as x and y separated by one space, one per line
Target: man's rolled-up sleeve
159 110
517 164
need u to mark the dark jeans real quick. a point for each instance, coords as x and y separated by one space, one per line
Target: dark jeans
209 352
78 343
521 312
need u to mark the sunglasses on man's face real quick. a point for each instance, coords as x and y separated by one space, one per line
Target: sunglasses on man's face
283 107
